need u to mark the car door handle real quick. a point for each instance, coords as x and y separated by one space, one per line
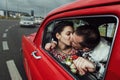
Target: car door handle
35 56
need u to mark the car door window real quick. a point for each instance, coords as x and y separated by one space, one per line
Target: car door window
48 34
106 25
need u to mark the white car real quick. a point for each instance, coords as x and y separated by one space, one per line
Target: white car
38 20
27 21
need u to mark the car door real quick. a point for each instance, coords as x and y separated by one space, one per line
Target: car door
30 57
40 66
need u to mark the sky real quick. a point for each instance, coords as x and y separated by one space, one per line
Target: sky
40 7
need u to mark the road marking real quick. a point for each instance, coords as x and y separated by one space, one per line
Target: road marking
14 74
4 35
6 30
5 45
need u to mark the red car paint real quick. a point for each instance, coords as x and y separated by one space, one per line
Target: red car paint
44 67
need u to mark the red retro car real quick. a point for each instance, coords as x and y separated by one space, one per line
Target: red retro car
39 64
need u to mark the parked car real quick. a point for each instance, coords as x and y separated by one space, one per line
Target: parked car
39 64
37 20
27 21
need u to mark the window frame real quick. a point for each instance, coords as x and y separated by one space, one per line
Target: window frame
84 17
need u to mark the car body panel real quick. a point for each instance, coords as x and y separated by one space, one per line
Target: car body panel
31 36
44 66
81 5
29 64
35 67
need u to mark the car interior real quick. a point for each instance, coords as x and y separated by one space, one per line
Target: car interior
107 25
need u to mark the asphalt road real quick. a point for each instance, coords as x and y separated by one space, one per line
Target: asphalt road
10 44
